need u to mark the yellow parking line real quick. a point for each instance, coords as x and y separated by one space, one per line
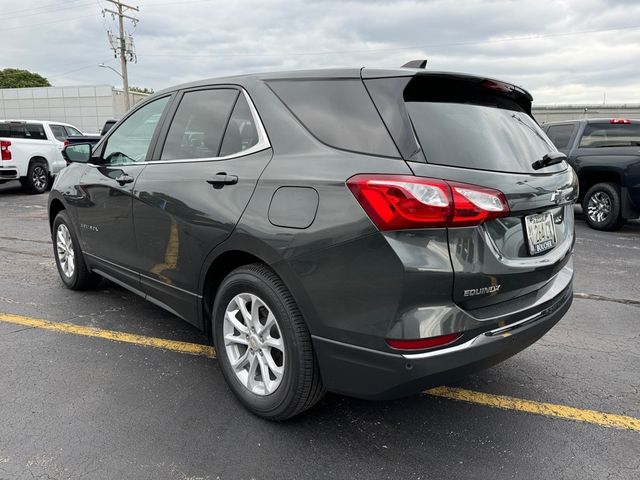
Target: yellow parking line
182 347
496 401
538 408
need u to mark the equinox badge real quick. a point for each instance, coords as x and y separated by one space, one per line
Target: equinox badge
481 291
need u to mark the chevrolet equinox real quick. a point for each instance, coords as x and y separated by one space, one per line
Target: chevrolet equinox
366 232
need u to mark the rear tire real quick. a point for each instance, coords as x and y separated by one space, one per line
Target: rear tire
602 207
38 179
69 260
258 328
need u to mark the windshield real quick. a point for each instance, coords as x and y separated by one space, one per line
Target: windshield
598 135
480 137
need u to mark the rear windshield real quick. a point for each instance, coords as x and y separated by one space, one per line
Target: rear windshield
479 137
31 131
599 135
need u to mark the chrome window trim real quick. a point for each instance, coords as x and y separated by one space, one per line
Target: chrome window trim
263 140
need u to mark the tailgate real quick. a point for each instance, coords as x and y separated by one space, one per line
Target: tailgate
473 133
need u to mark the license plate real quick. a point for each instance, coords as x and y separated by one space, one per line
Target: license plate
541 232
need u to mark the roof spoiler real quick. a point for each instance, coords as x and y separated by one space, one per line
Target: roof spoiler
422 64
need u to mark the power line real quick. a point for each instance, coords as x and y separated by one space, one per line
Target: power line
392 49
4 29
92 65
45 9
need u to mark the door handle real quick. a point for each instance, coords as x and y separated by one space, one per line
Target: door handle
123 178
221 179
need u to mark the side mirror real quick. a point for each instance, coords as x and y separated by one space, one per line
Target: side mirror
77 153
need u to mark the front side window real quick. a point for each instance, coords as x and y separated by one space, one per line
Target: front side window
130 142
199 124
72 131
600 135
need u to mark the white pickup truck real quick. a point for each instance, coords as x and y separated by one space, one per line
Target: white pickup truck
30 151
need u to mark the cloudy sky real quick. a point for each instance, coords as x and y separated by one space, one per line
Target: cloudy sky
563 51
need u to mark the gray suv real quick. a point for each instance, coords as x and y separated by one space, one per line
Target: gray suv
367 232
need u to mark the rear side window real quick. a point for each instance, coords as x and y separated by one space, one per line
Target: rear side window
241 133
599 135
337 112
59 132
199 124
560 135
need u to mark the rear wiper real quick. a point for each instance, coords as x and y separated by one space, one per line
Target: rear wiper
549 159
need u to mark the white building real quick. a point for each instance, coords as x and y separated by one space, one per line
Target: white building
554 113
86 107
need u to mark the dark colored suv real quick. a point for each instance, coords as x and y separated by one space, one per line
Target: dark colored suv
367 232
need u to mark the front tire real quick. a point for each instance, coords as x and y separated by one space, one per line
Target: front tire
38 179
602 207
263 344
69 260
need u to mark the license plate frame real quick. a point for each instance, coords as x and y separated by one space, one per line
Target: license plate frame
540 230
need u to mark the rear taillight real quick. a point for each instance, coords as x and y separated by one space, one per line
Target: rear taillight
399 202
423 343
65 143
623 121
5 150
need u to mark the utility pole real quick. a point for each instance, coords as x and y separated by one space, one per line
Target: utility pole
123 45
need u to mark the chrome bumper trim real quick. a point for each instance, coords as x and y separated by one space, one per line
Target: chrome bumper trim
488 336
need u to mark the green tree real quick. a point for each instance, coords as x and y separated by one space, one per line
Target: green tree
16 78
141 90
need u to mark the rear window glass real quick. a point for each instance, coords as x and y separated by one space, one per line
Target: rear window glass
598 135
560 135
338 112
479 136
31 131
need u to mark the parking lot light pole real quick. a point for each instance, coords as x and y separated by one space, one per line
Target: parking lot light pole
111 68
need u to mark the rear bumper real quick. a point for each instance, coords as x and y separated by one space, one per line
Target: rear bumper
375 375
9 173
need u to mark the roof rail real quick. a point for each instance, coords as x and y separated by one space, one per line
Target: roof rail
416 64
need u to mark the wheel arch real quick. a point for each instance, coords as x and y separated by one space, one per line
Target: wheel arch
40 159
588 178
55 207
239 250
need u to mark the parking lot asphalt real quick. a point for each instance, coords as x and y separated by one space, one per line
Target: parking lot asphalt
74 406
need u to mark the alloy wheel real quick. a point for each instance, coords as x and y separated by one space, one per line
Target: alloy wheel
254 344
39 177
64 248
599 207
